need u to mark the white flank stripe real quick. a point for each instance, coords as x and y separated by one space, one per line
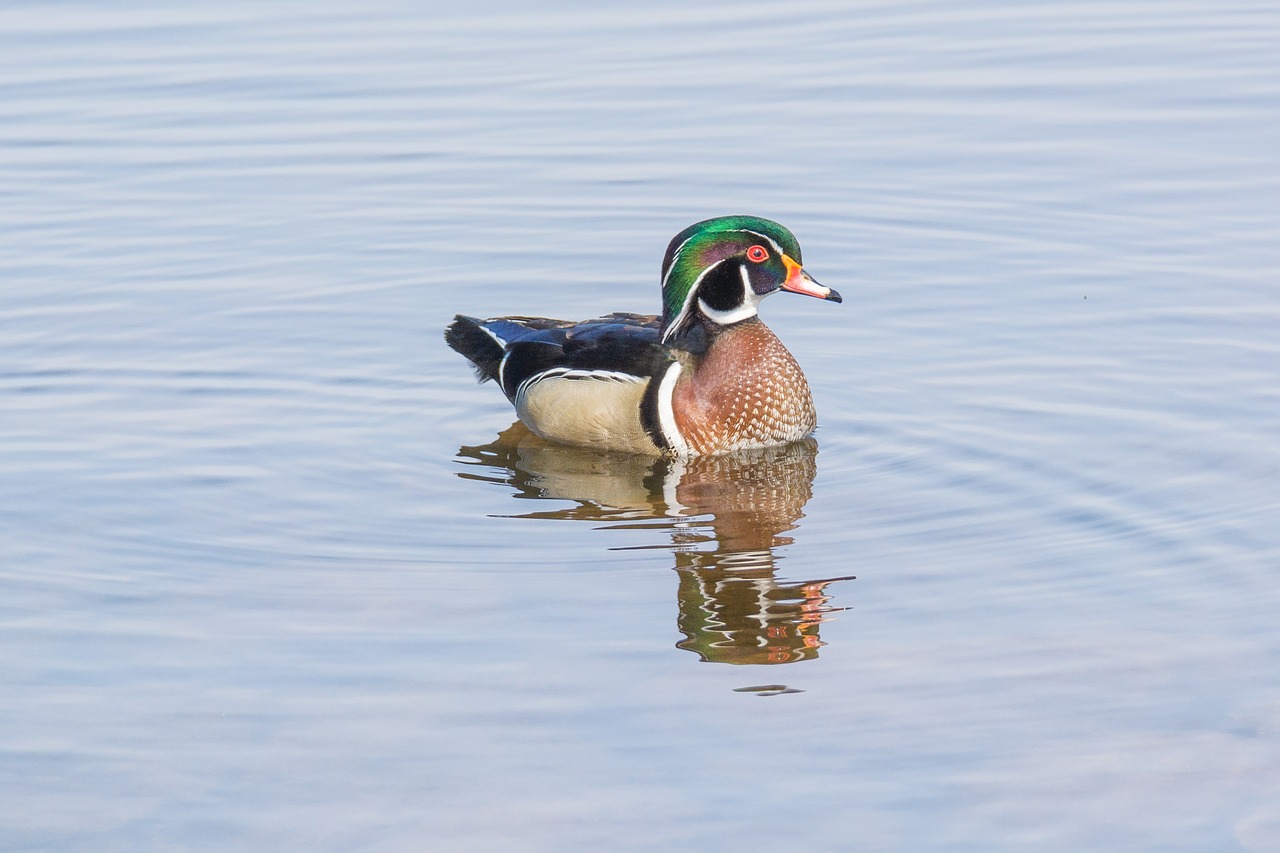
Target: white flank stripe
611 375
667 412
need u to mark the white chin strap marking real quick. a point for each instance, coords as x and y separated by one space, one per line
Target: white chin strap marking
749 308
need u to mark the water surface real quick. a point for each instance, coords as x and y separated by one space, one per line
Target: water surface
276 574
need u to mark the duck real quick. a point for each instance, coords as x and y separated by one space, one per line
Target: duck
705 378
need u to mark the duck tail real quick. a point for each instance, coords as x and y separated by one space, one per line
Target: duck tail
468 336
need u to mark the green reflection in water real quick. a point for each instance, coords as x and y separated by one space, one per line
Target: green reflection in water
725 516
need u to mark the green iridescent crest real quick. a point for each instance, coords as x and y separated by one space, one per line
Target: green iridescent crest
702 246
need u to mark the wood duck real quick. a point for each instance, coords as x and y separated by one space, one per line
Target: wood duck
708 377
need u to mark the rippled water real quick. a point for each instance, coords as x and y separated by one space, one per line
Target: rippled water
274 573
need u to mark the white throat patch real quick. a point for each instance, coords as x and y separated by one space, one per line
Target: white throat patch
749 308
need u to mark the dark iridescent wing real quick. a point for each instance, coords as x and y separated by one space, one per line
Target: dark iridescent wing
615 346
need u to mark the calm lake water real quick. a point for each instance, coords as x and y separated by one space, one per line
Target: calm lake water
270 579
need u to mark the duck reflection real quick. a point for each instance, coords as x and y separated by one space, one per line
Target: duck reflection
725 516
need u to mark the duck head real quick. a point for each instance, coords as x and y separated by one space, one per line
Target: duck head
715 273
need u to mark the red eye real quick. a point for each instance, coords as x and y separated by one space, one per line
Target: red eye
756 254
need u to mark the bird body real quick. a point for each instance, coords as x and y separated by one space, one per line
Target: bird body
706 377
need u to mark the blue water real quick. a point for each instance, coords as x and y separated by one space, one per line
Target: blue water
269 579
